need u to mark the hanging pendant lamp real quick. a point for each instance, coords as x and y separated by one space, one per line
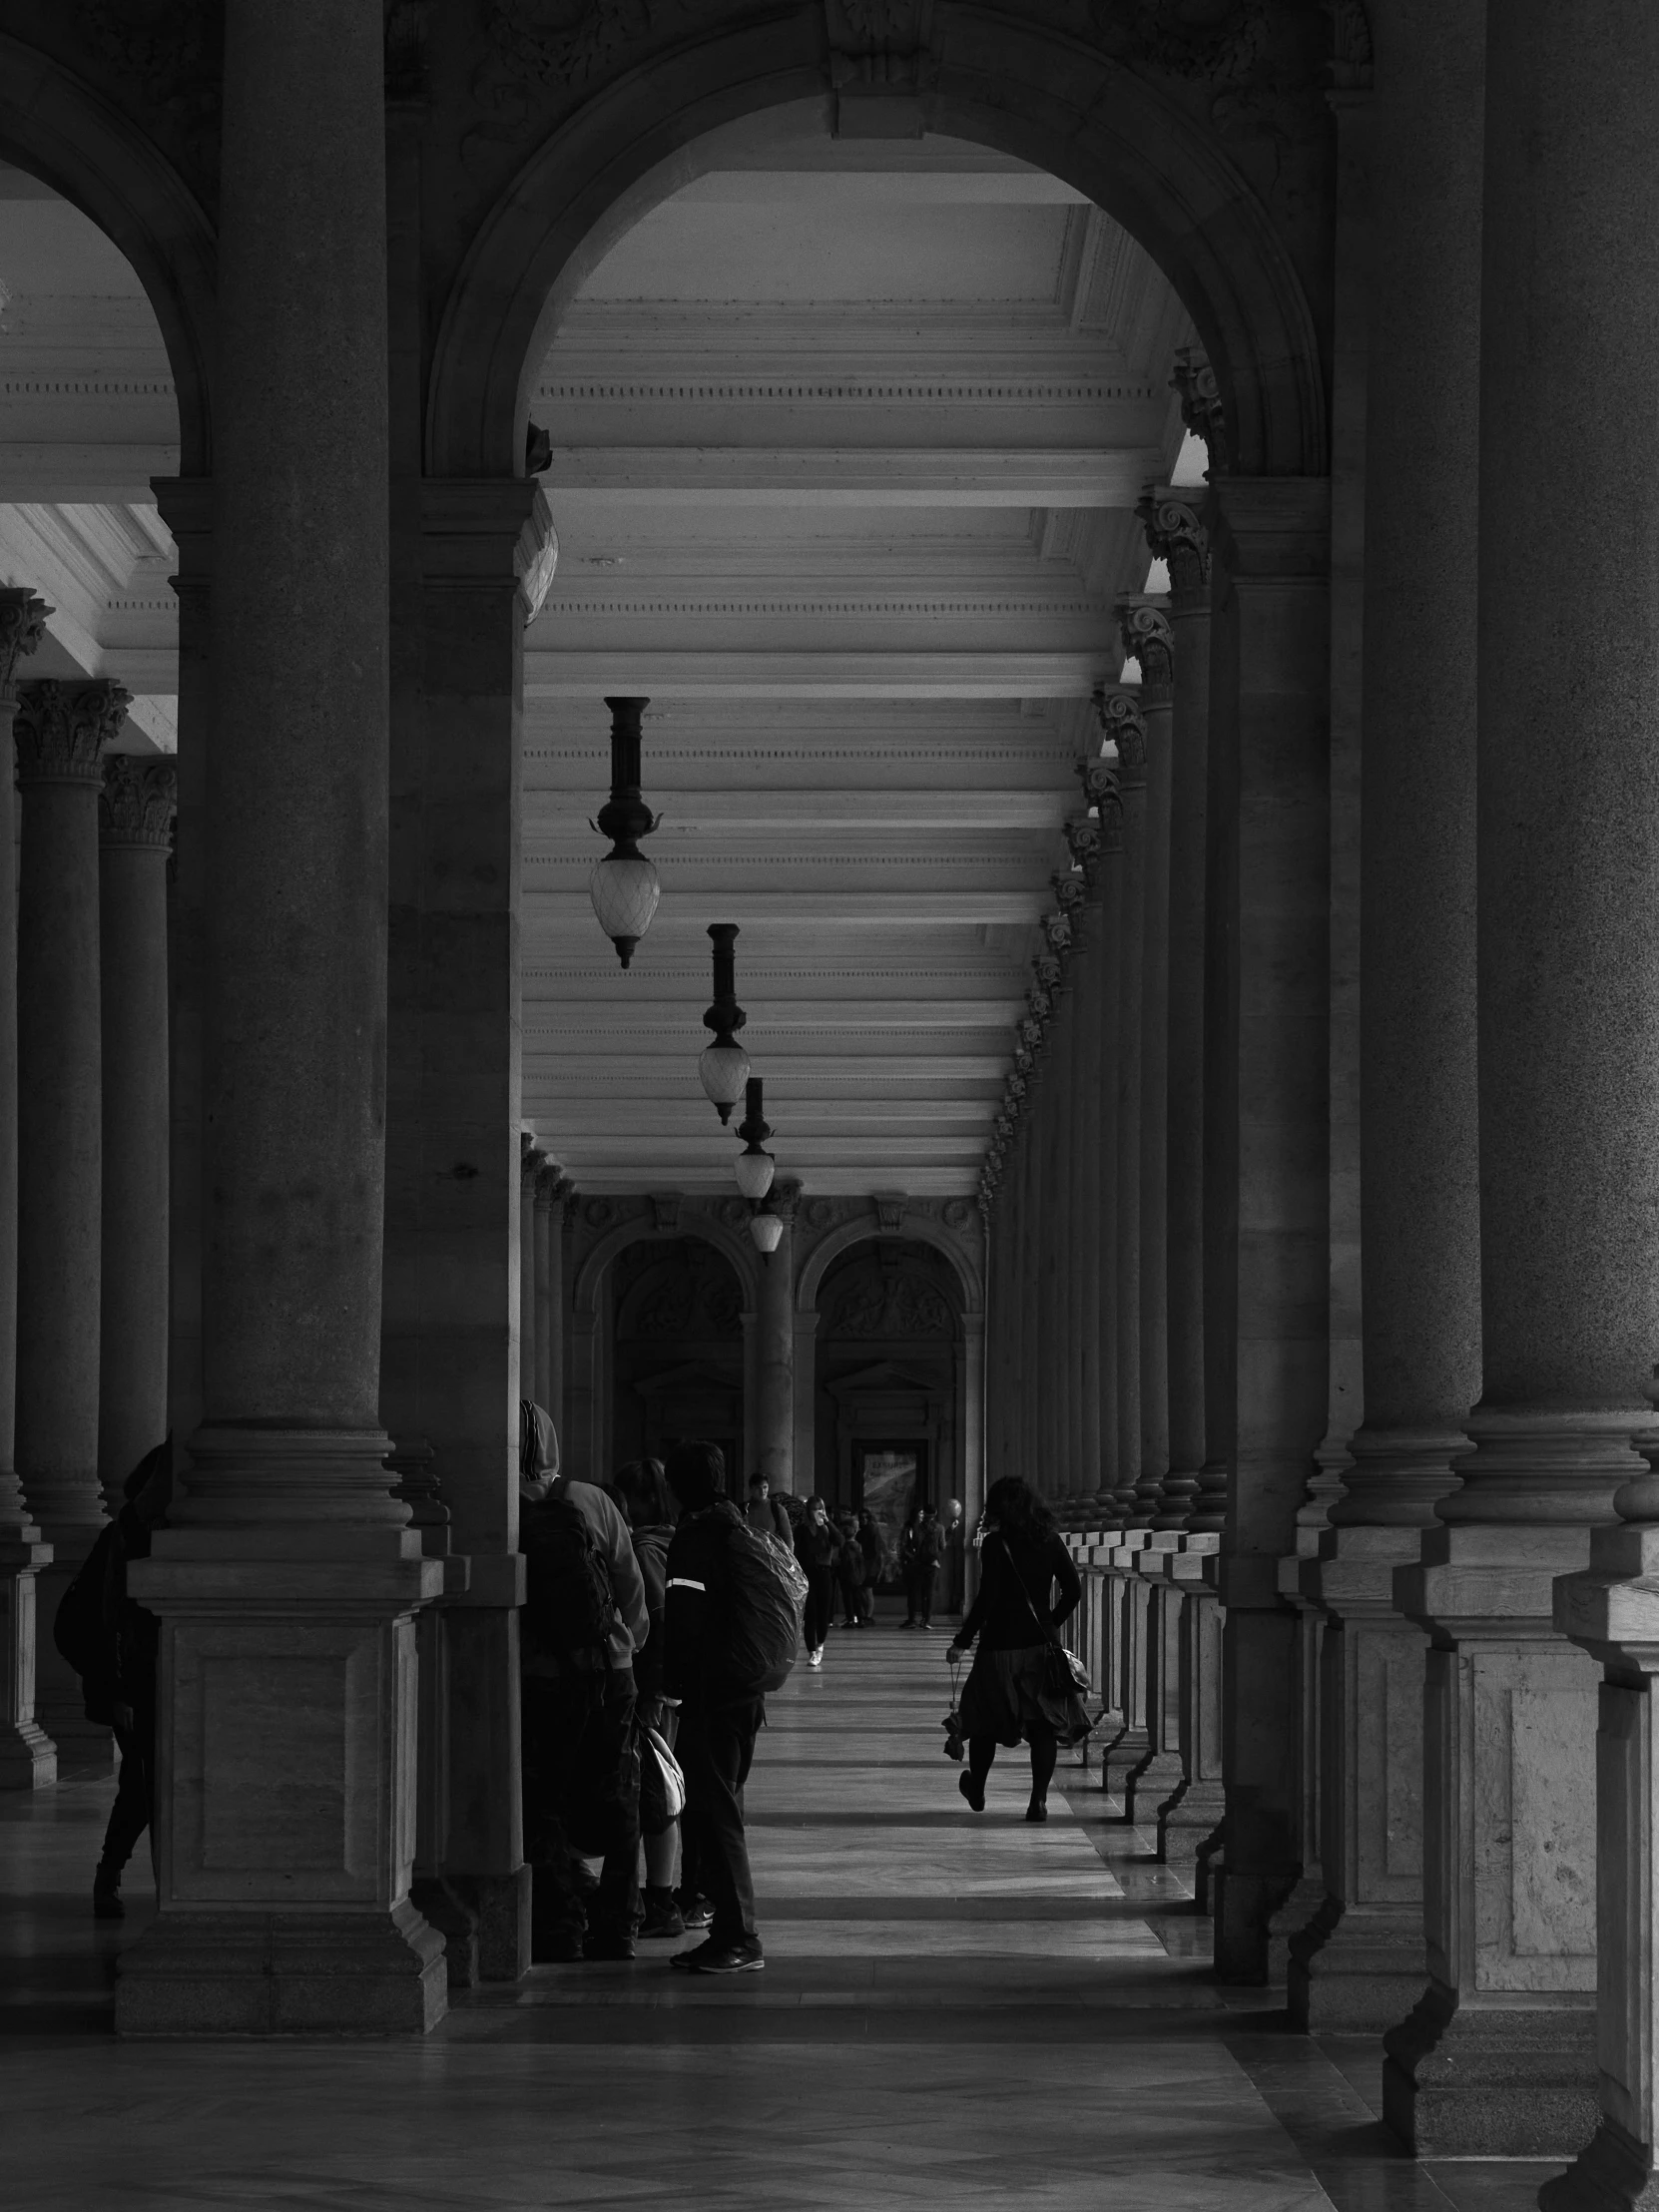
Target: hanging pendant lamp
754 1167
767 1230
624 886
723 1065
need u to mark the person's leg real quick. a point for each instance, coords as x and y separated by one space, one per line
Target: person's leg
982 1753
616 1774
924 1595
1045 1752
715 1753
553 1715
129 1818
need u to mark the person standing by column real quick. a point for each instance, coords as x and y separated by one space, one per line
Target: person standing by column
28 1756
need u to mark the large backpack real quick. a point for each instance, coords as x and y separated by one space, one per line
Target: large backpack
767 1596
569 1605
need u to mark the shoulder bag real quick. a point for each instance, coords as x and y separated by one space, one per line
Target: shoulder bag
1064 1674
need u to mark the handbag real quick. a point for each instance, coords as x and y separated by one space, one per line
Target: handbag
1064 1674
662 1781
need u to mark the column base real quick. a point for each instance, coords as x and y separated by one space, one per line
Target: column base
1518 2081
1249 1953
1150 1784
1189 1822
1613 2174
1207 1862
28 1756
1355 1970
290 1974
437 1904
1120 1759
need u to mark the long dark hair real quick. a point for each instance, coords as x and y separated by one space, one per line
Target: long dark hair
642 1489
1017 1511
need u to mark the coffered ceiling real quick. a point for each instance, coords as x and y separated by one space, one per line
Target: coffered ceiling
846 439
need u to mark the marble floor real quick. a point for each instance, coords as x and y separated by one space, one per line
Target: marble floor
955 2011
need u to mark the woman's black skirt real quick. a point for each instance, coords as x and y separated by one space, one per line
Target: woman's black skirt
1007 1693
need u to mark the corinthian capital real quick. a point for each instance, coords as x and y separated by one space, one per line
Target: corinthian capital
62 730
1099 780
1144 628
1111 824
1175 536
1057 929
531 1161
136 803
22 626
1083 843
1195 383
1120 721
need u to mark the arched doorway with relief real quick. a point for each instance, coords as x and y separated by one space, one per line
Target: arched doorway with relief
677 1350
892 1384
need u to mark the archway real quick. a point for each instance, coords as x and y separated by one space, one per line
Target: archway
1021 88
676 1345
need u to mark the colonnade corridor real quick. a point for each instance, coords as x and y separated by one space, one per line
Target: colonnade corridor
956 2009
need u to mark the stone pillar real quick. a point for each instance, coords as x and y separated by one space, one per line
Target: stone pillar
1266 1261
1104 795
1058 1257
558 1214
62 730
530 1165
287 1579
775 1349
1084 838
28 1756
135 836
1146 632
1568 976
1121 718
548 1183
1359 1964
1175 534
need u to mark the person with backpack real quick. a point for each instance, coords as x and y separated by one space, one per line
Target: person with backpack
733 1623
918 1557
645 1500
584 1618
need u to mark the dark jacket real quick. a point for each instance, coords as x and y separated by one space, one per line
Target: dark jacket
816 1546
697 1614
851 1565
874 1551
1000 1615
768 1517
919 1547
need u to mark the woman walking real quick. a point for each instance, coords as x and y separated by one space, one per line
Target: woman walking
1009 1693
817 1546
874 1551
851 1573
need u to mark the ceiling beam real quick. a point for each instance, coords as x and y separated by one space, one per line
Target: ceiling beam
735 674
849 476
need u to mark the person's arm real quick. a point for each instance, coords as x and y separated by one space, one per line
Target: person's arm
688 1614
1067 1577
627 1582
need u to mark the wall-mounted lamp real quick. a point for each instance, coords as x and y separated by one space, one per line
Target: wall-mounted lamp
624 886
754 1167
723 1065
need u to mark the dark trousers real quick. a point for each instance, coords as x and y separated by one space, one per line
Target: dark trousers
131 1813
716 1749
852 1595
581 1796
919 1592
821 1601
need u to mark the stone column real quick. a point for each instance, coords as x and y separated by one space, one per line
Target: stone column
530 1164
775 1349
287 1579
135 836
558 1215
62 730
1267 1260
548 1183
1123 724
1568 975
1360 1964
28 1756
1101 789
1145 628
1058 1280
1084 837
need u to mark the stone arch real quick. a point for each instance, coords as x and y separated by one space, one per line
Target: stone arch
74 140
917 1228
590 1276
1022 87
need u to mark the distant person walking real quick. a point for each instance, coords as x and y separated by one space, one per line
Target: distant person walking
953 1546
873 1547
1008 1695
919 1558
719 1716
849 1572
817 1545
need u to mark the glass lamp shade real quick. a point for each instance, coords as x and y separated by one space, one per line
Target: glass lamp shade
754 1171
625 891
725 1070
767 1231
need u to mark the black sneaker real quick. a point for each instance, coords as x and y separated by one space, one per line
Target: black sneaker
683 1960
744 1958
696 1912
662 1916
608 1942
974 1791
106 1896
1037 1810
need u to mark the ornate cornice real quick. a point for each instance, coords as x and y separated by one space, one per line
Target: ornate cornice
1120 722
1175 536
1145 630
1194 383
137 802
22 626
62 730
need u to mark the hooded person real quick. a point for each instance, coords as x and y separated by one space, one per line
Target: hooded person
715 1743
114 1645
584 1618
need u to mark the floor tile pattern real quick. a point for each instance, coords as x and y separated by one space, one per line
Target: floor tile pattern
958 2010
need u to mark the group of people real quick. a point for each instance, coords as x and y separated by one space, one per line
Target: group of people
849 1553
